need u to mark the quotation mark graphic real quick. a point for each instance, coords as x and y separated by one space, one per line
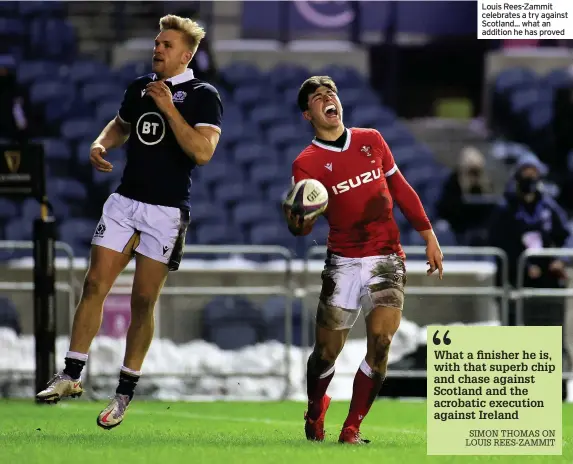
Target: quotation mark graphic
437 340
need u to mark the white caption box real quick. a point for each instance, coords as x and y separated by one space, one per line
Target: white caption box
525 19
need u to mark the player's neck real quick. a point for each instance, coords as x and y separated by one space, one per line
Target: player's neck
330 135
166 76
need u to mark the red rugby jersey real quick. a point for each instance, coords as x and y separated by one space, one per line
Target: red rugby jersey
359 205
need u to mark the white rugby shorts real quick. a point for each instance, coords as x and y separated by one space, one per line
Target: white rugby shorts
350 283
129 226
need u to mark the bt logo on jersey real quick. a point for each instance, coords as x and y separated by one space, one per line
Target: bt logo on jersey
150 128
357 181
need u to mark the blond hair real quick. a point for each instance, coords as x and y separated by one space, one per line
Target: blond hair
191 30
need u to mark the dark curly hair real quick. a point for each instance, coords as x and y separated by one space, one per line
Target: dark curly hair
309 87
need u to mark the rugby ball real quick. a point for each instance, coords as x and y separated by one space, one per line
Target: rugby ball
308 198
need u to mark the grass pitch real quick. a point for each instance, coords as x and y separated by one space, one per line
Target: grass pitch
225 432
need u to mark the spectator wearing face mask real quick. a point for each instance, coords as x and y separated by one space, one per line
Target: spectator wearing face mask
531 219
459 201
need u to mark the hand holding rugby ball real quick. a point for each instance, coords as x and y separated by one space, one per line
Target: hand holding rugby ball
307 199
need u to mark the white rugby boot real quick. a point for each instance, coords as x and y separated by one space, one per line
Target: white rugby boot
61 386
113 415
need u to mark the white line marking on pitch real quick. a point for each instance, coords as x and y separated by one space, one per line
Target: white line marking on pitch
253 420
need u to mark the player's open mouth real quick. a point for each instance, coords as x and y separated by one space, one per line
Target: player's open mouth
331 111
157 60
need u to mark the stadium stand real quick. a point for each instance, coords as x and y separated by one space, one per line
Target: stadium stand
236 197
263 132
244 184
250 164
527 119
523 107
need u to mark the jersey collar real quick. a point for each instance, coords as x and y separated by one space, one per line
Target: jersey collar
330 147
185 76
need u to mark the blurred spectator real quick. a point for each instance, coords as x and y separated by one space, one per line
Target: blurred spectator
460 203
9 316
13 104
531 219
565 197
203 63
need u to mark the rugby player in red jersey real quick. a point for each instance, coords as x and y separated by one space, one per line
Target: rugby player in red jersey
365 263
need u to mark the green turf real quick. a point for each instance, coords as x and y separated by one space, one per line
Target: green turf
229 433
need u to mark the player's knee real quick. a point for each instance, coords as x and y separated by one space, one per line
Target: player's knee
328 353
94 288
142 304
317 364
381 347
383 341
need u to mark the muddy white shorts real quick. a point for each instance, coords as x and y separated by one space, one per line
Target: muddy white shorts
129 226
354 284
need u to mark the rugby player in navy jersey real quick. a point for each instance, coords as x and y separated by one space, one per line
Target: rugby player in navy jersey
171 122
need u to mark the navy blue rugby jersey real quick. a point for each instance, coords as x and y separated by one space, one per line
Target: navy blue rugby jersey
157 170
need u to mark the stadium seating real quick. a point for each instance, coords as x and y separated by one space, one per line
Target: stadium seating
274 310
236 198
232 322
522 107
9 317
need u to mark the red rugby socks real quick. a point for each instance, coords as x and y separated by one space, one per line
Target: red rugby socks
367 384
317 381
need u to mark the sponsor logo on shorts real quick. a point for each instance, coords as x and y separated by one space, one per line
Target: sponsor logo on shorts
100 230
165 249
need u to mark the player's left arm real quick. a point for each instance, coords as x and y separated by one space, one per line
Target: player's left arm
198 135
410 204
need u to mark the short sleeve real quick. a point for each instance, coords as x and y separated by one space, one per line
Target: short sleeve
207 109
127 109
388 164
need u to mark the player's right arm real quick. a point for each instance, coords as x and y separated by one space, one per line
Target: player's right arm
297 225
114 135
